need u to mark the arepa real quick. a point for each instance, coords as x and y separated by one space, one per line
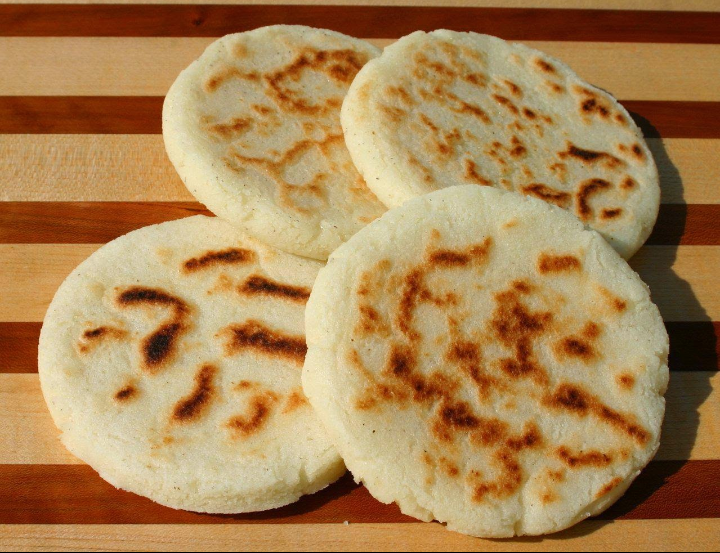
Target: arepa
253 129
481 359
474 109
170 361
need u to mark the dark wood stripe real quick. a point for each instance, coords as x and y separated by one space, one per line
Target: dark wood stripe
142 115
694 346
19 347
660 119
687 225
84 222
99 222
81 114
75 494
361 21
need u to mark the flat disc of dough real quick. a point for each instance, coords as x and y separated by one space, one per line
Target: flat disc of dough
482 360
450 108
171 361
253 128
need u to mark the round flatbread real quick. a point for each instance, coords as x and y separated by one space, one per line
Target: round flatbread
469 108
253 129
171 361
482 360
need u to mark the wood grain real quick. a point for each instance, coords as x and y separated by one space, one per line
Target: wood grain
652 5
121 167
75 494
683 279
691 430
671 535
694 346
93 167
142 115
147 66
365 21
95 222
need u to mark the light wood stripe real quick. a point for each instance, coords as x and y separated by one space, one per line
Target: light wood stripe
68 66
76 167
691 430
626 535
683 279
368 21
80 167
663 5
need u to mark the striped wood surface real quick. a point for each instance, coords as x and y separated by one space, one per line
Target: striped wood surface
82 162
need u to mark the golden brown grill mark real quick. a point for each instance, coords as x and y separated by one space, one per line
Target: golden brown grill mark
575 347
92 337
515 89
452 418
190 408
371 322
572 398
126 393
427 175
314 190
516 327
103 331
548 263
507 103
583 459
448 467
245 385
254 335
461 258
140 295
402 94
628 183
339 65
217 80
232 128
613 213
530 439
159 347
230 256
590 156
394 113
588 189
262 110
626 381
257 416
506 484
610 486
464 107
544 66
295 401
547 194
471 173
477 79
257 285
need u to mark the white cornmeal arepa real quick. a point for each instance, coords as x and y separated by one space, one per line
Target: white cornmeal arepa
469 108
253 129
171 362
482 360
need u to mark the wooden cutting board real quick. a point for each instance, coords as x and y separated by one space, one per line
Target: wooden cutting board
82 162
